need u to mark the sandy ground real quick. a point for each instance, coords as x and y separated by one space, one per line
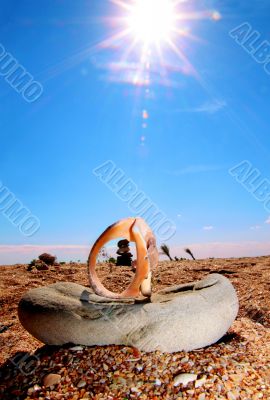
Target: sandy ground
238 367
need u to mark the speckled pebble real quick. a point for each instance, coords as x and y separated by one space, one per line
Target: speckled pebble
184 379
51 380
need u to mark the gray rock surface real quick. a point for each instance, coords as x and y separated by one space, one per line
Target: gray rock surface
184 317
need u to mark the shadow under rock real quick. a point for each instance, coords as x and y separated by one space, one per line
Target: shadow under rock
20 372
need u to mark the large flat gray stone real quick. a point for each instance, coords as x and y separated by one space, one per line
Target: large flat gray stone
184 317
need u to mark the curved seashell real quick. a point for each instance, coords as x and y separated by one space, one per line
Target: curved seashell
135 230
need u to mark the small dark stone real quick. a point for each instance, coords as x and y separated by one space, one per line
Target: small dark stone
125 260
41 266
4 328
125 257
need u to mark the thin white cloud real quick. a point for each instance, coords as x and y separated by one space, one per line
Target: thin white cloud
223 249
195 169
131 73
255 227
209 107
267 221
208 228
28 248
22 254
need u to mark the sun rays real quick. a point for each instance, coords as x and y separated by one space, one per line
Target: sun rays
153 35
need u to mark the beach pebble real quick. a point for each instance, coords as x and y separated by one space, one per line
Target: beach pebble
81 384
51 379
76 348
201 396
135 390
200 382
184 360
231 396
211 297
184 379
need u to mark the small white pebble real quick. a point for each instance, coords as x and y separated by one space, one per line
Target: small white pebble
51 380
81 384
201 396
135 390
219 387
121 381
158 382
184 360
200 382
76 348
184 379
231 396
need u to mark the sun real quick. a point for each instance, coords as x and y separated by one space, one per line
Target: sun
151 21
150 38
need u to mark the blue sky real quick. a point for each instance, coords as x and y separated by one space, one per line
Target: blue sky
199 126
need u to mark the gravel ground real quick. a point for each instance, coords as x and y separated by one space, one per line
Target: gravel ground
238 367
